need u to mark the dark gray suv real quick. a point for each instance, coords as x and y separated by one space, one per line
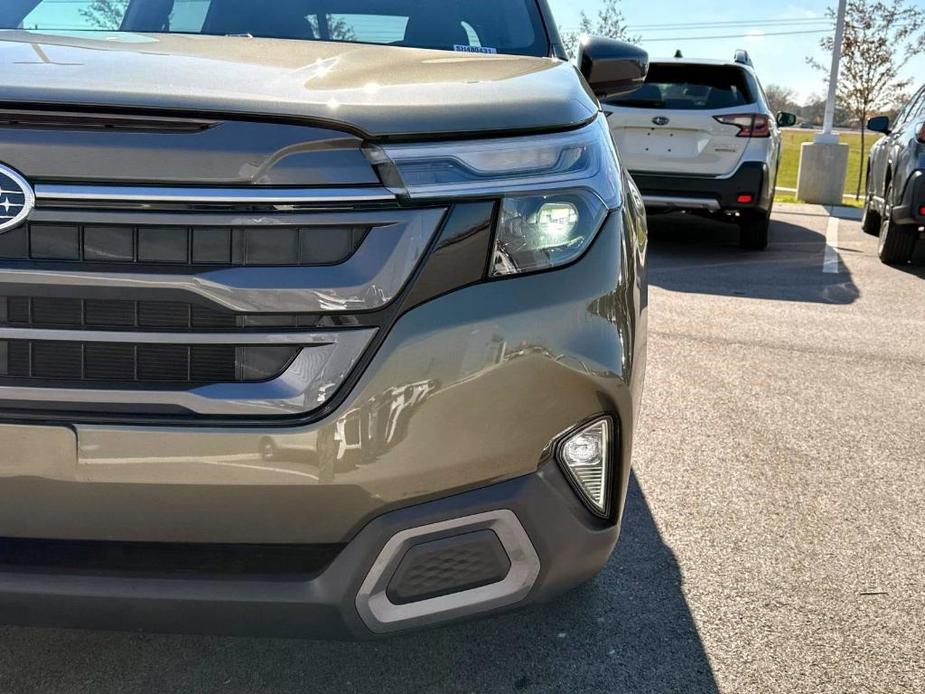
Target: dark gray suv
321 318
895 206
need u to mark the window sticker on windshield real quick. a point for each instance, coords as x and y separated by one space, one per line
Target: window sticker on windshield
475 49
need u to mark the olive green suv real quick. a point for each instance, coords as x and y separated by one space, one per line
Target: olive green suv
316 318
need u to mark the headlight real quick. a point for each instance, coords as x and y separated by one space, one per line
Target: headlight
536 232
557 189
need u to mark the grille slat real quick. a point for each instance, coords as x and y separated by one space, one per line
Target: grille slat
115 314
192 246
129 363
134 363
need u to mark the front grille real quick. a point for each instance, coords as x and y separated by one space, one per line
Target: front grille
195 246
127 364
225 303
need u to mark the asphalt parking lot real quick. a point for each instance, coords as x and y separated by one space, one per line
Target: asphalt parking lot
775 537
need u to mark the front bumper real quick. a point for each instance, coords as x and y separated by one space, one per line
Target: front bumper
668 192
454 416
570 544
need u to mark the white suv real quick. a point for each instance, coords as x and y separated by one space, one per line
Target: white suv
700 137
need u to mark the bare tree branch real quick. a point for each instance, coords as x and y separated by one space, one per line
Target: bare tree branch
609 23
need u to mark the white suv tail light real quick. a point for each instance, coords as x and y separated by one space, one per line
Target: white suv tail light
749 124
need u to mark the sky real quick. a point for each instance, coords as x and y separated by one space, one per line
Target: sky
778 59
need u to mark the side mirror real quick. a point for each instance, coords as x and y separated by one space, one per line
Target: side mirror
880 124
786 120
612 68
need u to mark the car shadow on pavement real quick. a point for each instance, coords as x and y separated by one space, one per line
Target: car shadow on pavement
629 630
917 267
695 255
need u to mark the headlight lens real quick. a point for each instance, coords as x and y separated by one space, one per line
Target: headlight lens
557 189
536 232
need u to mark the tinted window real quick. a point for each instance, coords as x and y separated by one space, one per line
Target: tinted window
188 16
914 108
77 15
691 87
500 26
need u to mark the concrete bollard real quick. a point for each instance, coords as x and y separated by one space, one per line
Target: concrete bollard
823 167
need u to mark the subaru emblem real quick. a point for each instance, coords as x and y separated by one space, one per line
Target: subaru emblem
16 198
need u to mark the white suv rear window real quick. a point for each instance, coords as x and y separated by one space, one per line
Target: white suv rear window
680 87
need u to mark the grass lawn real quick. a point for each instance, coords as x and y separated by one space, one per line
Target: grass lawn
790 163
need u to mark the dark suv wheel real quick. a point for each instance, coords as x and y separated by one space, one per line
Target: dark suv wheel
897 241
872 220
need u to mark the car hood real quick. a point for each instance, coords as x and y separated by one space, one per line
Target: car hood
378 91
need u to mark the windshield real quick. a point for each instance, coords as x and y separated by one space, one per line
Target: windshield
472 26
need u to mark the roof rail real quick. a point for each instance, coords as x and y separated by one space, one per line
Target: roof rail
743 58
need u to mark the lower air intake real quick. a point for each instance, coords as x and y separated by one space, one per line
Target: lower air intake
449 566
446 570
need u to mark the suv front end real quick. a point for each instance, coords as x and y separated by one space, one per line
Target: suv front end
281 376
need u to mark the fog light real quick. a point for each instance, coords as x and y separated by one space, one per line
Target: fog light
745 199
585 457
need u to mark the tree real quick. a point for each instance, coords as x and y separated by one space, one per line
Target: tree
609 23
338 28
108 15
880 39
814 111
781 99
105 14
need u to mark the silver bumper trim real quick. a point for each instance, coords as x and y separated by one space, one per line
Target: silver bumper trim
309 382
681 203
381 615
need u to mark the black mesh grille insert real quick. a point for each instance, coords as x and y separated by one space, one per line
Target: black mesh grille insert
154 316
110 314
182 245
168 363
127 364
109 362
451 565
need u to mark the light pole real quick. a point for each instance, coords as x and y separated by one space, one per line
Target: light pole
824 162
827 136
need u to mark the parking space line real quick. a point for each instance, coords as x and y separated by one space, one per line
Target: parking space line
831 263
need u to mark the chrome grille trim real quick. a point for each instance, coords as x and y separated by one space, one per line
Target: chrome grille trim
306 385
46 193
370 279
